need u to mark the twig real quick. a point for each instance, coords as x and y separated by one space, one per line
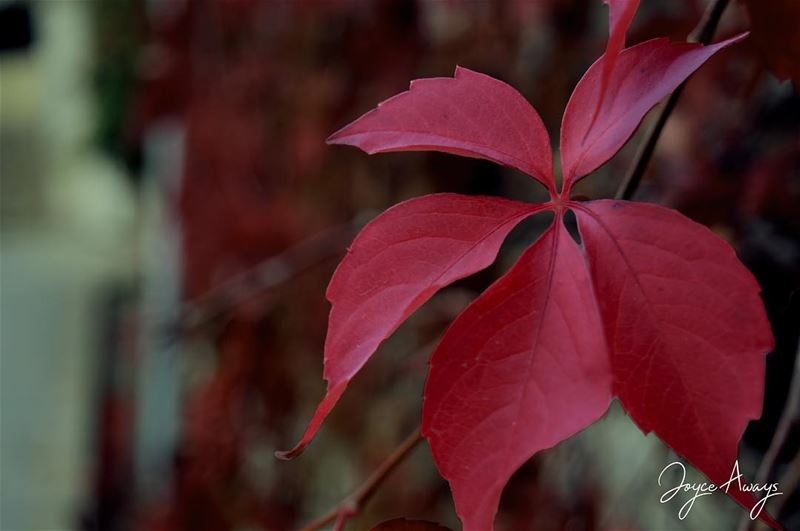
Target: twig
271 273
353 504
790 482
790 415
702 34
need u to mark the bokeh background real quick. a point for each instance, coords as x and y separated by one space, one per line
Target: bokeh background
171 215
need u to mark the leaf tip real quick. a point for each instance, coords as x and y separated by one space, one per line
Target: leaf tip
288 455
335 137
331 397
730 41
740 37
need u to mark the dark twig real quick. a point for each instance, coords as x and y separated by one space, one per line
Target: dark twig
789 416
790 484
271 273
353 504
702 34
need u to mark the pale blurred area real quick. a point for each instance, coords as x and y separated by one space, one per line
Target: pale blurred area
70 236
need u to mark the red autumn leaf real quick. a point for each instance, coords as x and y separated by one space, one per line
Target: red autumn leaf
620 15
521 369
642 76
398 262
685 327
470 114
654 309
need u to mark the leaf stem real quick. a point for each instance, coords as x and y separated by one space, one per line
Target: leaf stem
702 34
353 504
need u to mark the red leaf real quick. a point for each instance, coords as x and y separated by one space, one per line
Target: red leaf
521 369
397 262
620 15
686 330
643 74
472 115
668 319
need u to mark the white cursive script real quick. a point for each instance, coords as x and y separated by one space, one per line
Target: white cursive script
704 489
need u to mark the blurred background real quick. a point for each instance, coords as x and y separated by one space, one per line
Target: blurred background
171 216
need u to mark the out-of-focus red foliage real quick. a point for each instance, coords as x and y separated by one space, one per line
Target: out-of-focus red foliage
403 524
775 33
257 86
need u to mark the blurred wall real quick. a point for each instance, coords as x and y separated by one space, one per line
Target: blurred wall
67 234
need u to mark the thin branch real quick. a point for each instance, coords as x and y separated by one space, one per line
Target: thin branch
790 483
271 273
354 503
789 416
702 34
